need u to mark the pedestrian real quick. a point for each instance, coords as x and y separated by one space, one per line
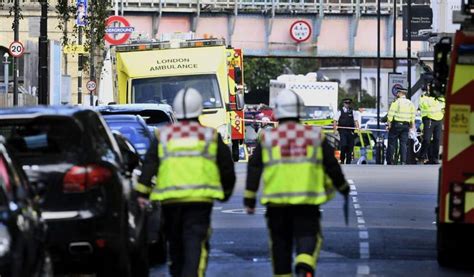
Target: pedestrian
193 167
432 113
345 122
401 118
299 174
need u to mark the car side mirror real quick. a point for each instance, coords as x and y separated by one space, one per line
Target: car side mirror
130 156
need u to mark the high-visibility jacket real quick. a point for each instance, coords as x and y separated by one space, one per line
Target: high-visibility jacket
188 167
431 107
293 172
402 110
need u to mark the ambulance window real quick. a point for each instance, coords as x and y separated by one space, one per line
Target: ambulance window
164 89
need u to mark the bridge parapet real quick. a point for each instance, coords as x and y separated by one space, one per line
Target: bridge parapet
264 6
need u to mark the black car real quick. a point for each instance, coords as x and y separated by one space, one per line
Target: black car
84 179
22 232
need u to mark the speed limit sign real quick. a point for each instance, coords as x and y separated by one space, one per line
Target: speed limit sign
17 49
91 85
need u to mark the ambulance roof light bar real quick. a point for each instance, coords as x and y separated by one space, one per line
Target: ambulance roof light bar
173 44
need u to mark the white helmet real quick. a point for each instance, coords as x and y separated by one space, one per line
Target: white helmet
187 104
288 104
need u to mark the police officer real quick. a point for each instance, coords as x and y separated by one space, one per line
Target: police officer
346 118
432 113
401 118
193 167
295 161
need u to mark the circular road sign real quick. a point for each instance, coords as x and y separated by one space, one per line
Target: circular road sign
16 49
300 31
111 31
91 85
395 89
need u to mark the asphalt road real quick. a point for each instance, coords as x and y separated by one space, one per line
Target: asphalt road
391 228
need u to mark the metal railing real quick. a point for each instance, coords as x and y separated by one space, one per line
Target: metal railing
278 6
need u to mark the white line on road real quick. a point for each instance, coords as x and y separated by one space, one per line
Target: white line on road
363 270
364 246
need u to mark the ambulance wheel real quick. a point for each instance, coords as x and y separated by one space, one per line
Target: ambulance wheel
235 151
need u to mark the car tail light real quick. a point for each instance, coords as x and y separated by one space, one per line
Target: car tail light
82 178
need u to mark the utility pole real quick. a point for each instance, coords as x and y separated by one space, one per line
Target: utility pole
16 71
92 76
395 15
80 67
409 48
43 76
378 154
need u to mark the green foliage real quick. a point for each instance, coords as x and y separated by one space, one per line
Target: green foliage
259 71
366 100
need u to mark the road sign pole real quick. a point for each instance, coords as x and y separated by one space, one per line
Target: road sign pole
79 68
92 58
43 76
16 73
409 48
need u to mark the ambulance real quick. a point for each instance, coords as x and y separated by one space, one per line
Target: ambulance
454 70
155 71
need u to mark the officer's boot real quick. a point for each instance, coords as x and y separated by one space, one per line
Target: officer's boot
303 270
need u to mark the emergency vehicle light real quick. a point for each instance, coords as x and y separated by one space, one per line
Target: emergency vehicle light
168 45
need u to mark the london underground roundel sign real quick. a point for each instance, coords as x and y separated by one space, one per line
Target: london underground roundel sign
300 31
117 34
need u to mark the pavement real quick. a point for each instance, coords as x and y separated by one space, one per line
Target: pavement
391 228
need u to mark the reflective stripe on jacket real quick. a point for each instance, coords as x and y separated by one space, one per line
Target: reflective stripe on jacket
293 171
402 110
431 107
188 168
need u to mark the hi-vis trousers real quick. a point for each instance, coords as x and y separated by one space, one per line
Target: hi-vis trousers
298 225
187 229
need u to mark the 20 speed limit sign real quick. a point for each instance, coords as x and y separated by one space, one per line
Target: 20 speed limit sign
16 49
91 85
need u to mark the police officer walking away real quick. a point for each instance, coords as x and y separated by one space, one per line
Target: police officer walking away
347 118
193 167
401 118
432 113
295 161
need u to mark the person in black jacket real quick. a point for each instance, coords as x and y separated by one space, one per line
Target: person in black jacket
345 122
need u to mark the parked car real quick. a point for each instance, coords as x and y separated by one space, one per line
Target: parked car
22 231
84 179
155 115
132 127
135 130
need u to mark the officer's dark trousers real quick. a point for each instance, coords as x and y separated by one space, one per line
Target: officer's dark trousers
431 128
346 145
297 227
398 133
187 228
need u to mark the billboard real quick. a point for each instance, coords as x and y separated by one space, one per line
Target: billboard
395 82
81 14
421 22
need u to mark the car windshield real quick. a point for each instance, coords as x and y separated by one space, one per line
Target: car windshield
54 138
318 112
134 132
164 89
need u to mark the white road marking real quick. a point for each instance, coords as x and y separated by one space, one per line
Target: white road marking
217 208
363 270
364 246
363 235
